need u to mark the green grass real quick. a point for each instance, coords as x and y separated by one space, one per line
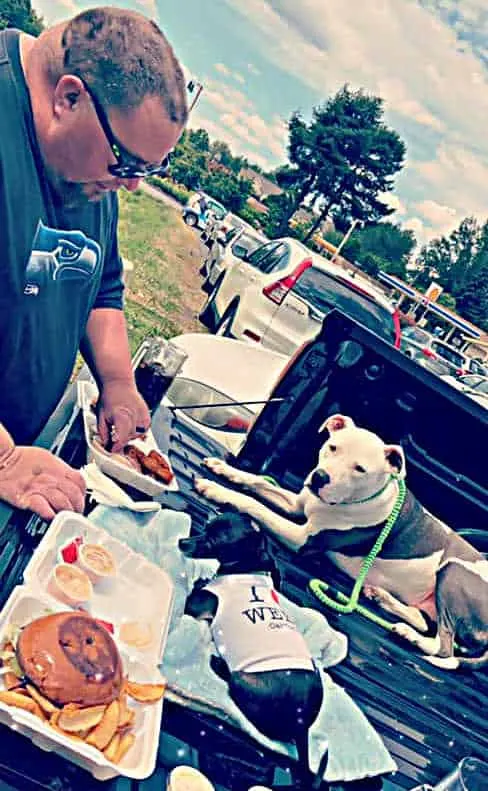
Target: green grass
164 254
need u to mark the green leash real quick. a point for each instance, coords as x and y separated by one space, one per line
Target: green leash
348 605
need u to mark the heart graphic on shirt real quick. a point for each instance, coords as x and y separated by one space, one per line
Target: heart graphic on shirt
275 598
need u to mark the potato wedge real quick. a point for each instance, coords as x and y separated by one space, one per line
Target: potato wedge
111 751
127 721
145 693
12 698
77 720
45 704
104 732
125 744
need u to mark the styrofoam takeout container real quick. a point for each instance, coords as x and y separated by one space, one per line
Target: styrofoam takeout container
87 394
140 591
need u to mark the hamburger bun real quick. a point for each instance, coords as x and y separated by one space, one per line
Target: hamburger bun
71 658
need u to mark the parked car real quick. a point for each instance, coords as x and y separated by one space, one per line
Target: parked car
472 385
279 294
238 243
416 342
193 215
205 382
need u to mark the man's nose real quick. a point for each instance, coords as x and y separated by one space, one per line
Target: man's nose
320 478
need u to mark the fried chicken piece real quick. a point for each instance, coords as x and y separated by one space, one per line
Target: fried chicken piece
153 463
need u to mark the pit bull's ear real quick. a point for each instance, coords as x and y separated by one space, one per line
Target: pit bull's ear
336 423
395 459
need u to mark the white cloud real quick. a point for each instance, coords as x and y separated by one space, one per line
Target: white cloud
222 69
226 72
253 69
440 217
407 52
239 124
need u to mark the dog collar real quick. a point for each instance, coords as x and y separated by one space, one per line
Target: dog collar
372 496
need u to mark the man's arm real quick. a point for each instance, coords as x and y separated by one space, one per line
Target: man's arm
122 413
105 347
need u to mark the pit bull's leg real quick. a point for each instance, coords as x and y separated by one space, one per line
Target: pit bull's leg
428 645
294 536
411 615
255 484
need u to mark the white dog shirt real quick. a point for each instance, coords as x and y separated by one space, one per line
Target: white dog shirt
250 629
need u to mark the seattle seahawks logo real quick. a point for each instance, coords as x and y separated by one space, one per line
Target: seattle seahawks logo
60 255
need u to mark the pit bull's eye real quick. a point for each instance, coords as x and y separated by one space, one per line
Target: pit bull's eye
358 468
332 448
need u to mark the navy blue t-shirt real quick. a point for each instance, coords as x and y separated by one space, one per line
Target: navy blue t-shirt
56 264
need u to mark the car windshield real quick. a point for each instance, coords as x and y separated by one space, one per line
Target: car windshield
217 209
481 388
325 292
449 354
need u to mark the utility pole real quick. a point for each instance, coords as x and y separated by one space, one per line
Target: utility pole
344 240
194 87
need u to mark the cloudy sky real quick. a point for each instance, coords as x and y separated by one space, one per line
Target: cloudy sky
261 59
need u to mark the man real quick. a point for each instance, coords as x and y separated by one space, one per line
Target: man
90 106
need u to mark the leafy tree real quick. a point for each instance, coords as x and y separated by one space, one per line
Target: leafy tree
228 189
253 217
21 15
459 262
344 158
388 243
222 153
199 139
448 258
278 206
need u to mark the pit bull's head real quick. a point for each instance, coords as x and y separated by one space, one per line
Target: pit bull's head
353 464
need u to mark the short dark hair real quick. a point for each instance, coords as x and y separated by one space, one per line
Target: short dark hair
124 57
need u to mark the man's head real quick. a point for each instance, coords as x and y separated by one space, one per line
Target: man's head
109 99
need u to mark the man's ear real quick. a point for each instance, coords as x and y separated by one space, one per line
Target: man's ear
336 423
67 93
395 460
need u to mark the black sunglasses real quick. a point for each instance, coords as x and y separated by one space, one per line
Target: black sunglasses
127 166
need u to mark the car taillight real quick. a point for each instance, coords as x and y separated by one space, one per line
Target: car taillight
460 372
429 353
278 290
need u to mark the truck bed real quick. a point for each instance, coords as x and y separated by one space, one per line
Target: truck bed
429 718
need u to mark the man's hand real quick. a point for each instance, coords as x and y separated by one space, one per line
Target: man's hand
122 414
34 479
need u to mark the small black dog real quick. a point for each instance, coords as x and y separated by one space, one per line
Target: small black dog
262 656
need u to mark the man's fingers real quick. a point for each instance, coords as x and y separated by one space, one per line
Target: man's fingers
75 478
38 503
123 428
103 429
75 494
58 500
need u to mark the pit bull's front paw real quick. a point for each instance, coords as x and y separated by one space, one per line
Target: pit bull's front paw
220 467
406 632
373 593
213 491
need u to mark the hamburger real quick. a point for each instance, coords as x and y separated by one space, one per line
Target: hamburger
70 658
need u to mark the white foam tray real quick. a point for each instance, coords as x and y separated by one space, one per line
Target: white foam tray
142 590
87 393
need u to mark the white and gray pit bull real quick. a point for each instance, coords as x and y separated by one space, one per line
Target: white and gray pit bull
424 568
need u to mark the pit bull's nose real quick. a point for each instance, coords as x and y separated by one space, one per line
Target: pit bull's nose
319 478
